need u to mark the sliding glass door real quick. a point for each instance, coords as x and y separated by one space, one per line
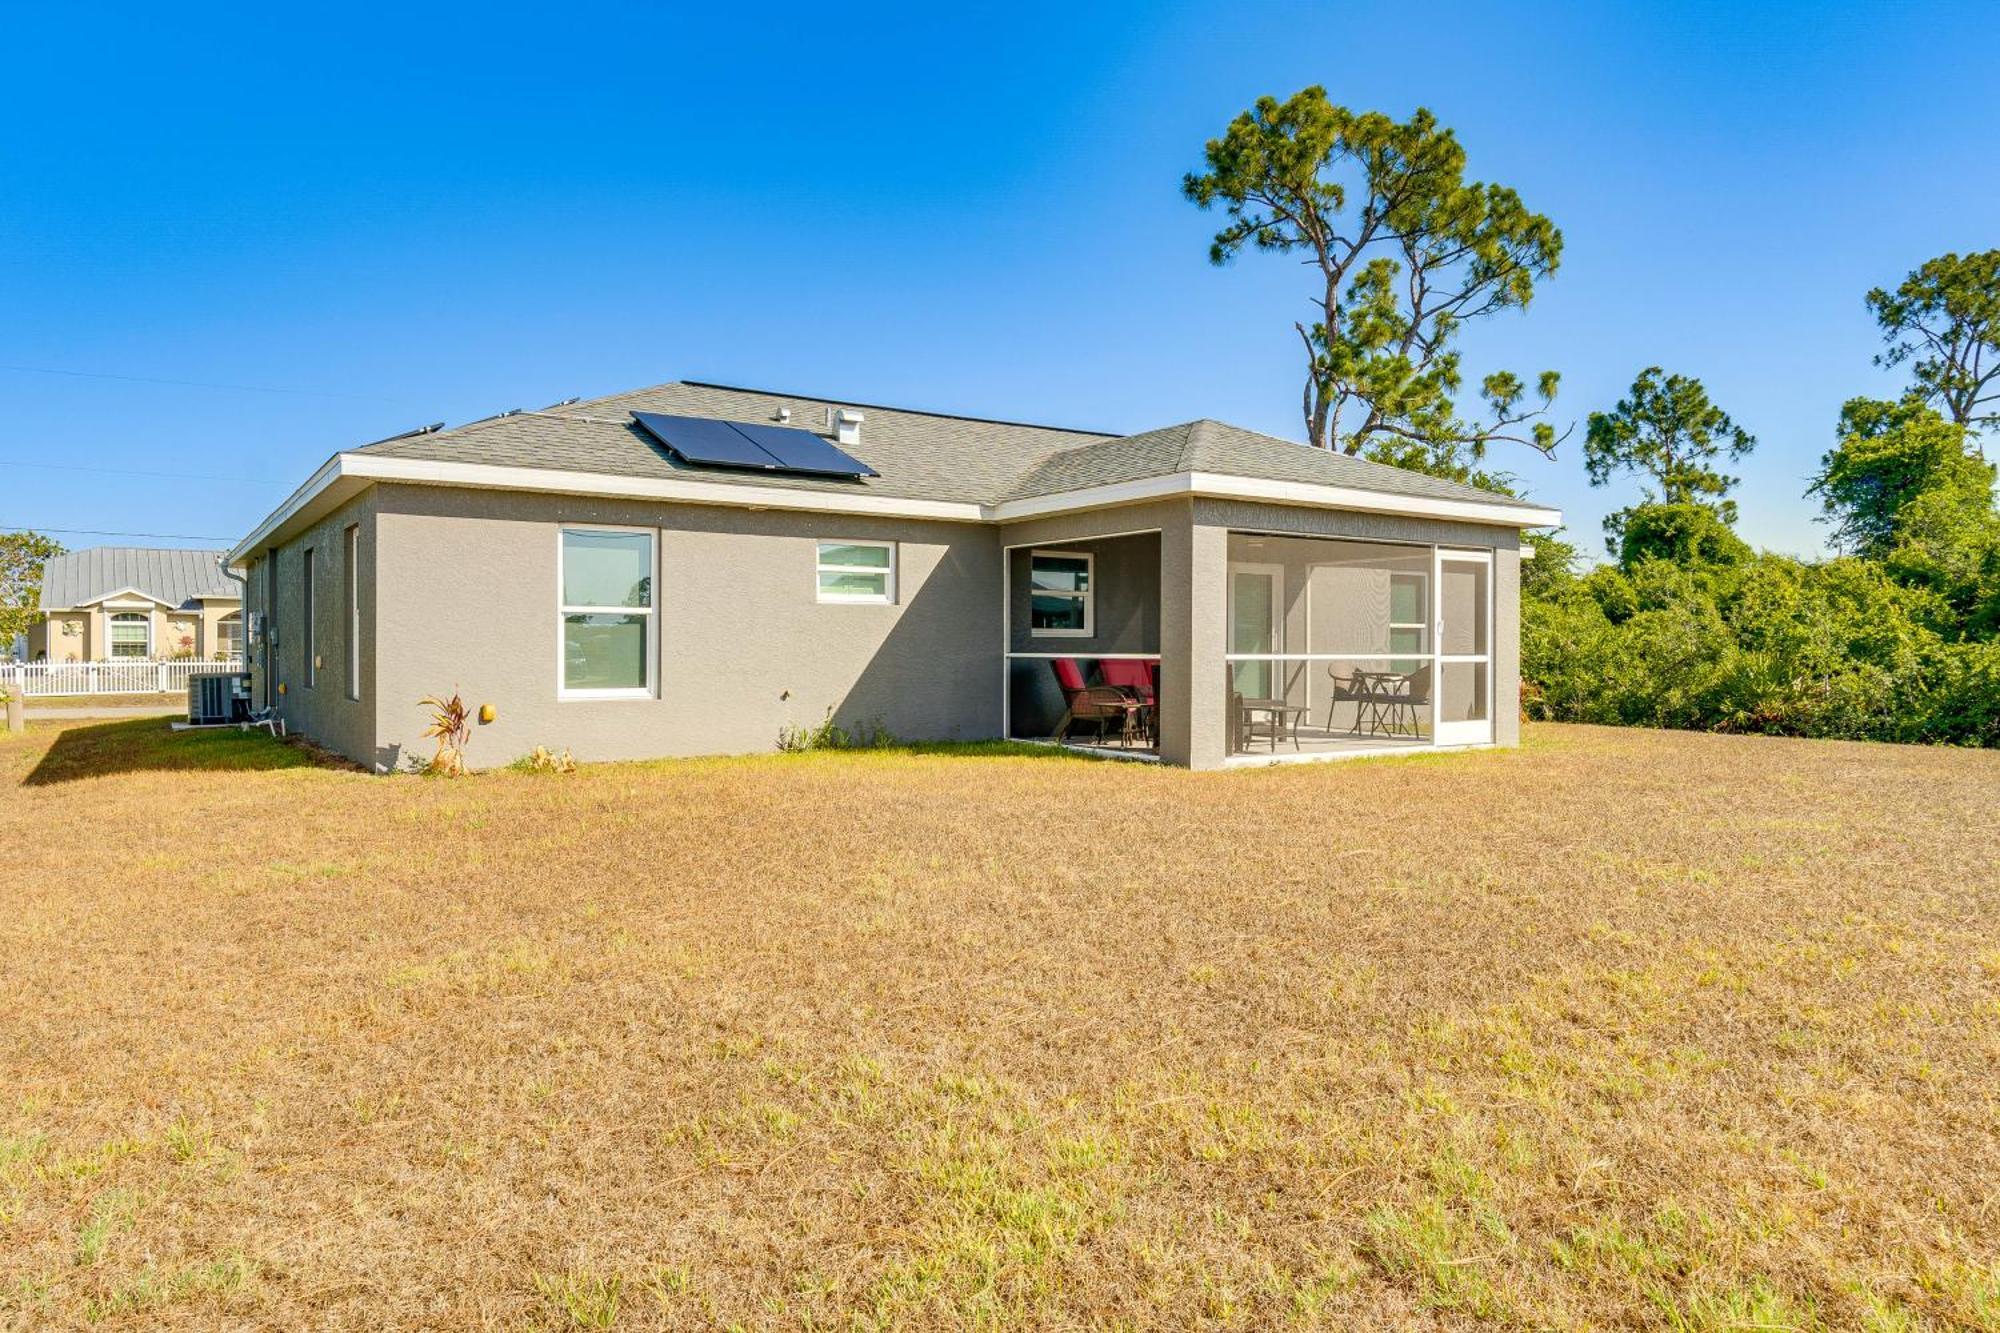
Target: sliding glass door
1255 604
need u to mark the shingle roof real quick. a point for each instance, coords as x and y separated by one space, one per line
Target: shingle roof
920 455
1217 446
176 577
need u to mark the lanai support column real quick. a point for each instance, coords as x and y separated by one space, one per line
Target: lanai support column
1194 592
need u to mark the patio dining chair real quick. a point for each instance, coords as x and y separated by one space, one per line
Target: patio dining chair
1357 688
1389 702
1410 697
1134 677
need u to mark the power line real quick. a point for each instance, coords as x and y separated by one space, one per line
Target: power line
200 384
133 472
100 532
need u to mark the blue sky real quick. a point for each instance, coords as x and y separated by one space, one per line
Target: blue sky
340 226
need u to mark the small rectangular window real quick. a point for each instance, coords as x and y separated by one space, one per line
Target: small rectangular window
353 573
856 572
306 618
605 579
1059 594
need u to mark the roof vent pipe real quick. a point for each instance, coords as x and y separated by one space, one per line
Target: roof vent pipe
847 426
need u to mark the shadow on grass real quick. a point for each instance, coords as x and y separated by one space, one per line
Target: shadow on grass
146 745
993 749
886 754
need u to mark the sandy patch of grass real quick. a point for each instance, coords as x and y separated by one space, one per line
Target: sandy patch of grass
1620 1030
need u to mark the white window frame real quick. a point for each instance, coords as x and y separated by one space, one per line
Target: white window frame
1088 596
223 624
650 611
353 563
111 653
1422 626
888 597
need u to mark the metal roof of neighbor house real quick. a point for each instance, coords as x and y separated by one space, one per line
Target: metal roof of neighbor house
177 577
920 455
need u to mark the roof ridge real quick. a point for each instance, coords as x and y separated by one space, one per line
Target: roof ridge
1369 463
1195 430
888 407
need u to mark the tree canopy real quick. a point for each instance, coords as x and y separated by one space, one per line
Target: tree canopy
1889 455
22 555
1405 251
1691 628
1667 429
1945 321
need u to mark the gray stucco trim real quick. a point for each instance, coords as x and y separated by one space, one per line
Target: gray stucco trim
1506 646
1091 524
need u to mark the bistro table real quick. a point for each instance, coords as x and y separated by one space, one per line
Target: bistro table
1281 719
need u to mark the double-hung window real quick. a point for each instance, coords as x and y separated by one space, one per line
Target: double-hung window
606 581
1059 594
131 634
857 572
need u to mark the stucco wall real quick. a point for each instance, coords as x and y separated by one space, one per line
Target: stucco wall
459 590
319 706
213 611
1507 643
467 597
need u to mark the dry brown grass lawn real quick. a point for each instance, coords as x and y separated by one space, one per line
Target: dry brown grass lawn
1621 1030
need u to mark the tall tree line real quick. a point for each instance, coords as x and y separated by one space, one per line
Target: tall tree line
1897 637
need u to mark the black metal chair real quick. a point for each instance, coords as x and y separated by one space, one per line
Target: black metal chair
1384 701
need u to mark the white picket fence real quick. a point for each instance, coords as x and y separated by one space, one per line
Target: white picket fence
126 675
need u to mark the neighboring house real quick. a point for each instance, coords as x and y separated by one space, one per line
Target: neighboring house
111 602
603 589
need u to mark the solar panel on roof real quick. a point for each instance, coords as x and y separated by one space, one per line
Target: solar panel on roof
699 440
739 444
803 451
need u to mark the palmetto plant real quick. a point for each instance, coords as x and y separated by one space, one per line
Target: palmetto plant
451 727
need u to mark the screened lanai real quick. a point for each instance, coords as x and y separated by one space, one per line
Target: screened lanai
1339 646
1083 643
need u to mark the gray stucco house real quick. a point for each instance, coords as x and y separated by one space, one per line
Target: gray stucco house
1257 599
